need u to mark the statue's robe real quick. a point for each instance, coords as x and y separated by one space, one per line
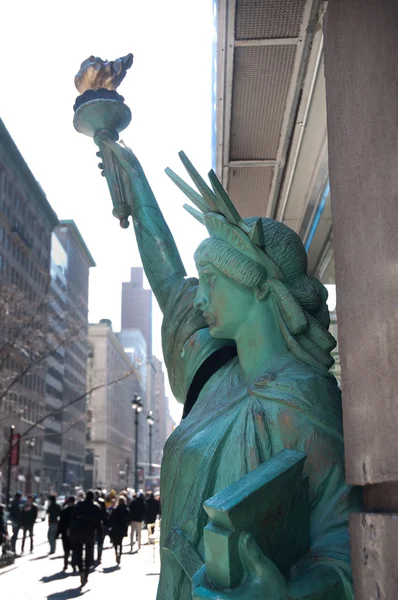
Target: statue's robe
233 427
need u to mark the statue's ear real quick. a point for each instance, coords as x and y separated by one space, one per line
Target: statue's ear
262 291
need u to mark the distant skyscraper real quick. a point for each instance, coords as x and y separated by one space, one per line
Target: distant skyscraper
137 306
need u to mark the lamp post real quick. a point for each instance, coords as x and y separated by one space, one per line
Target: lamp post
8 496
137 406
151 421
30 444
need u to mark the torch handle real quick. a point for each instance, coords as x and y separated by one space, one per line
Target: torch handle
116 183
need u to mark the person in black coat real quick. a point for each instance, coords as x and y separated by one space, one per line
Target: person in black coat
137 515
119 523
28 520
3 528
63 530
100 537
15 516
152 511
86 521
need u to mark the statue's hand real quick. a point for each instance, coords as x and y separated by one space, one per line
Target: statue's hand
262 580
124 156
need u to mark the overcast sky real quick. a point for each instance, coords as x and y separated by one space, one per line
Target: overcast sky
168 89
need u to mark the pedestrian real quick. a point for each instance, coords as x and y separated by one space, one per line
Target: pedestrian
137 515
101 535
110 505
86 521
152 511
28 520
119 523
3 529
63 531
54 512
15 517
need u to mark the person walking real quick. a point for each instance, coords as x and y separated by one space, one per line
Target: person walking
152 511
119 523
86 521
137 515
53 512
15 517
28 520
3 529
101 535
63 530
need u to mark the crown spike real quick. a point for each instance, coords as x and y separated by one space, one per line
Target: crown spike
195 213
187 190
207 195
256 233
223 201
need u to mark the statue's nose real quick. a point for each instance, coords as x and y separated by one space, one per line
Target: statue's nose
200 302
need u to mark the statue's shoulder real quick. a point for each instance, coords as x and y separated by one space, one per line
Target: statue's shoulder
303 391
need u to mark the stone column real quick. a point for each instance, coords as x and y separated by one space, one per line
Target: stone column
361 68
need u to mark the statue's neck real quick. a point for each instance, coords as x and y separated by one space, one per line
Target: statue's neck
259 342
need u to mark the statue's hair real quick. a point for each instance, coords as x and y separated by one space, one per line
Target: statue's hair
286 249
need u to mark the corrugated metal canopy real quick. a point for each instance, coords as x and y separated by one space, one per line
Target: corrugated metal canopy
271 115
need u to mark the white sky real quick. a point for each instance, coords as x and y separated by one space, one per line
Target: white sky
168 90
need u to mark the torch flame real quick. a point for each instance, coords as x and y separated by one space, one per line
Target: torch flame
96 73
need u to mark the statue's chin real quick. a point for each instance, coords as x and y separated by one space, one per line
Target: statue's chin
216 333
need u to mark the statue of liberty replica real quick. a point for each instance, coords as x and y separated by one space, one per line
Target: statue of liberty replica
254 500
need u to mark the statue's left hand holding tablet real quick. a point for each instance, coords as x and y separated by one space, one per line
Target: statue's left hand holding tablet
262 580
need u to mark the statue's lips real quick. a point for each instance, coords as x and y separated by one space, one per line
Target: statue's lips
209 318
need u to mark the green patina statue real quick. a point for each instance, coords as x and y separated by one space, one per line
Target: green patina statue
255 504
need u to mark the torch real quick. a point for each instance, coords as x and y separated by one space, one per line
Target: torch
100 112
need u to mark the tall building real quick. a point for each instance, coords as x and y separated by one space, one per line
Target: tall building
110 433
134 345
160 410
79 261
137 317
137 306
55 375
26 223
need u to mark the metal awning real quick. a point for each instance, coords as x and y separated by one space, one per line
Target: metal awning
271 142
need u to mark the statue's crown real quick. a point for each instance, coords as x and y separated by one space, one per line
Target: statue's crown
219 215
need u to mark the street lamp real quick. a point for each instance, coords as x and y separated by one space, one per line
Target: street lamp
10 451
137 407
30 444
151 421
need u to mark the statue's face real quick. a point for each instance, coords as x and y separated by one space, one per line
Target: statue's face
224 302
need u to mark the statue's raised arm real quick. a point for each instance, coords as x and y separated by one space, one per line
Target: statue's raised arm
100 113
160 258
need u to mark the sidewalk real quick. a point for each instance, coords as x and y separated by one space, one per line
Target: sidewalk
40 577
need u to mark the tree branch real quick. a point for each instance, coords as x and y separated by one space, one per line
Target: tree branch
58 410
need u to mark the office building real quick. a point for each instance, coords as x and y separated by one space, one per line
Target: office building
110 433
79 262
26 223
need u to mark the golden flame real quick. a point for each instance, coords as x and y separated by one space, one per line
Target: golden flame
96 73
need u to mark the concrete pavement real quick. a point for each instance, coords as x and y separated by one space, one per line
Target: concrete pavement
39 576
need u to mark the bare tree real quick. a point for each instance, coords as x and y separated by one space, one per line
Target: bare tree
31 331
26 434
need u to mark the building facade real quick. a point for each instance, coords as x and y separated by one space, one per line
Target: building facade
137 327
57 305
137 306
26 223
73 444
110 432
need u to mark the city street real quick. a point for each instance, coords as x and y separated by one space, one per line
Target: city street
38 576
